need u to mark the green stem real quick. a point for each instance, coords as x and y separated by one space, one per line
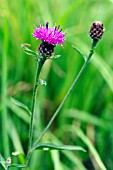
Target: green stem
68 93
39 67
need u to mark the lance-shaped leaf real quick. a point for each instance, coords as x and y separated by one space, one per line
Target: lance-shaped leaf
17 165
29 51
50 146
3 162
18 103
84 57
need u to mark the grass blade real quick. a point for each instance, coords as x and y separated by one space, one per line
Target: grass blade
85 117
4 92
90 146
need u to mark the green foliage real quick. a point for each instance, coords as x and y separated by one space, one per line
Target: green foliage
50 146
28 51
3 162
89 109
18 103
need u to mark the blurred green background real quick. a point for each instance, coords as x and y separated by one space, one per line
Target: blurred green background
87 116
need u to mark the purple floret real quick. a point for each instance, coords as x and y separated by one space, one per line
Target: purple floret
50 35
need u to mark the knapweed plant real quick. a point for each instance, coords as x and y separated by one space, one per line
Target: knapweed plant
50 38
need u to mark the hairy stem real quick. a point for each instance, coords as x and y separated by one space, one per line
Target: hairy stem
67 95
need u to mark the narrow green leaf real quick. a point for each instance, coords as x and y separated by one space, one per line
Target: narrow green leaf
73 158
17 165
3 162
50 146
28 51
18 103
18 111
84 57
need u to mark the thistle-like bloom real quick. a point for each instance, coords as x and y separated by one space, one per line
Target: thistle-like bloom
49 37
96 30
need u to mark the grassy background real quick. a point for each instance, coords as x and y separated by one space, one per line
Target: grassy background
87 116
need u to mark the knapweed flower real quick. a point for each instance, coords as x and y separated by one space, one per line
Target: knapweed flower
96 30
49 37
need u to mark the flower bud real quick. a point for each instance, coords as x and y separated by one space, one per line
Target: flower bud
96 30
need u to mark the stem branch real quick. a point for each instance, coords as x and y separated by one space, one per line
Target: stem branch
68 93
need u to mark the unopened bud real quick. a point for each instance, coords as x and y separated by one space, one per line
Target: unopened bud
96 30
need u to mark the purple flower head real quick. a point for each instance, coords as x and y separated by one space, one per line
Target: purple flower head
52 36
